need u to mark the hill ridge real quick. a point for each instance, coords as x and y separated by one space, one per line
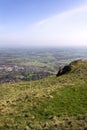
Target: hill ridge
52 103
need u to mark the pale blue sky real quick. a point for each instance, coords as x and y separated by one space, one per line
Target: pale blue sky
43 22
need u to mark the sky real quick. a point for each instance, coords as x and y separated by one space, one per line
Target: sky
43 23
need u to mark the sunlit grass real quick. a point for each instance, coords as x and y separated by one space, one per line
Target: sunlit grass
48 104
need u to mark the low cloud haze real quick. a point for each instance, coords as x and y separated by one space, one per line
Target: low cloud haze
67 28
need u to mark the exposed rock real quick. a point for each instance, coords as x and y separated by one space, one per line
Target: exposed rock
64 70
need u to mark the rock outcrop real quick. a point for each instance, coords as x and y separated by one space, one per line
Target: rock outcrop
64 70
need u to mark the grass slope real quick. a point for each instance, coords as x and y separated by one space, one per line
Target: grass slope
53 103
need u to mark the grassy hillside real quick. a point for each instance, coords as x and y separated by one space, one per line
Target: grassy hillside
53 103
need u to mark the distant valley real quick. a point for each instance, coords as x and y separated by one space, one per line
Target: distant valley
27 64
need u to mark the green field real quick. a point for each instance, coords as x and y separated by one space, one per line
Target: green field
53 103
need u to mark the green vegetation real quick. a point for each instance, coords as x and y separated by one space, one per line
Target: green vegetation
52 103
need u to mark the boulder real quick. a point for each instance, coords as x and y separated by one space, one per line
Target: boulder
64 70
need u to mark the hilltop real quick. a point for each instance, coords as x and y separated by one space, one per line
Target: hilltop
52 103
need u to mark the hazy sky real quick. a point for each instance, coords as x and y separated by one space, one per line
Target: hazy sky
43 22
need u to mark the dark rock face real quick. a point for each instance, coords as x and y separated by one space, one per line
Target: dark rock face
64 70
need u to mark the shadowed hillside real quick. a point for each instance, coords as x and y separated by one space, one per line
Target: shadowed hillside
52 103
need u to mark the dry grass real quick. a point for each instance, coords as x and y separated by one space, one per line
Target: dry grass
53 103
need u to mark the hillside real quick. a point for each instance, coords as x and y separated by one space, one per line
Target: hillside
52 103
